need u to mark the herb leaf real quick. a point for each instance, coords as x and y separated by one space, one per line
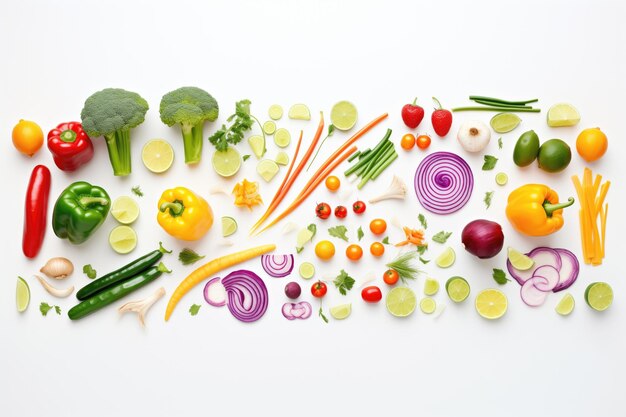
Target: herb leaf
339 232
321 314
441 237
488 197
385 241
500 143
490 162
359 232
245 158
137 191
331 130
499 276
193 310
402 265
89 271
422 220
422 249
344 282
45 308
57 309
424 261
242 121
189 256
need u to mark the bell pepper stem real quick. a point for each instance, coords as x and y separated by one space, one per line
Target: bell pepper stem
551 208
68 136
176 209
162 249
85 201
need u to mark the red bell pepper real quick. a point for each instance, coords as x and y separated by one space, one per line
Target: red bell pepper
36 210
70 146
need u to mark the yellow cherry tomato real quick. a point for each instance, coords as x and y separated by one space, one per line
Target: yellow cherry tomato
377 249
354 252
325 249
333 183
423 141
407 142
591 144
378 226
27 137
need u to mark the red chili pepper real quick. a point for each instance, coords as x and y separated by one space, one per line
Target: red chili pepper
36 210
70 146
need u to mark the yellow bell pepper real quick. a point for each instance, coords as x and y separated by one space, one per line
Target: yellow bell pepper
183 214
534 210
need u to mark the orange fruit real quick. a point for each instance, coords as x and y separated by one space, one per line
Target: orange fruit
377 249
407 142
27 137
354 252
591 144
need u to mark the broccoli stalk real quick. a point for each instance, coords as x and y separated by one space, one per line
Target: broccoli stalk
190 107
118 145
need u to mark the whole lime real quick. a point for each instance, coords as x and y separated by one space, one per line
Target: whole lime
554 155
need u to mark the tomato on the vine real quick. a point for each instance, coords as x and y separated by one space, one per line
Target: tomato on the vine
341 212
371 294
391 277
319 289
323 211
358 207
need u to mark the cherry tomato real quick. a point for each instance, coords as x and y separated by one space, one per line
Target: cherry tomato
407 142
358 207
333 183
391 276
371 294
323 211
377 249
423 141
341 212
354 252
319 289
324 249
378 226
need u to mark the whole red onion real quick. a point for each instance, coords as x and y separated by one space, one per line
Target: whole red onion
483 238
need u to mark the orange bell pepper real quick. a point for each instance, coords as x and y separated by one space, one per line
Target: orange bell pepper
534 210
183 214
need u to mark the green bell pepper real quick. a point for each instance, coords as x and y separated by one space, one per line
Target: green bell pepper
79 211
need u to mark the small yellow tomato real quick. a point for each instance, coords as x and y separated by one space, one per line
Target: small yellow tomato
27 137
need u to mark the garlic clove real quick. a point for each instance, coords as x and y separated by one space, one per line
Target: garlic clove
56 292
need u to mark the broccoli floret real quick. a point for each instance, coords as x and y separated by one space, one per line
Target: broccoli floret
111 113
191 107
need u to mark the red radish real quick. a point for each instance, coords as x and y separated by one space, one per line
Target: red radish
441 119
412 114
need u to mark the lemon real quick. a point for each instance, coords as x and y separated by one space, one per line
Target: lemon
226 163
282 137
401 301
428 305
501 178
491 304
157 155
599 296
267 169
519 261
566 305
299 112
431 286
282 158
22 295
275 112
563 114
504 122
123 239
125 210
306 270
257 144
343 115
446 259
269 127
458 289
341 312
229 226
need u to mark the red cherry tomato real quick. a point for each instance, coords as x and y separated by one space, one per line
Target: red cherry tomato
341 212
423 141
358 207
391 277
319 289
323 211
371 294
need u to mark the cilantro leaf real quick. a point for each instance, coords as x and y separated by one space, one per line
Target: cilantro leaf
339 232
385 241
245 158
422 220
44 308
344 282
499 276
57 309
241 122
500 143
137 191
488 197
89 271
321 314
422 249
360 233
189 256
193 310
441 237
490 162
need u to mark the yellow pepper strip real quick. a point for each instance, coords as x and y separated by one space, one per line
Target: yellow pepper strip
413 237
183 214
247 194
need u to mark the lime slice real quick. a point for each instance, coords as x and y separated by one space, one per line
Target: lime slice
282 158
491 304
226 163
306 270
22 294
519 260
428 305
401 301
125 210
123 239
501 178
282 137
446 259
341 312
229 226
431 286
157 155
504 122
304 236
257 144
275 112
458 289
299 112
267 169
563 114
269 127
343 115
566 305
599 296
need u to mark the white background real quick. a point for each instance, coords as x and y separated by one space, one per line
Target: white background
379 55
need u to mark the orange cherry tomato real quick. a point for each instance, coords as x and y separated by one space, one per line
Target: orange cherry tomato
333 183
378 226
391 277
354 252
423 141
377 249
407 142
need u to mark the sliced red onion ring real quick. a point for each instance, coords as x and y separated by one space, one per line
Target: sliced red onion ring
532 296
569 270
293 311
277 266
542 256
443 182
550 278
247 295
215 293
